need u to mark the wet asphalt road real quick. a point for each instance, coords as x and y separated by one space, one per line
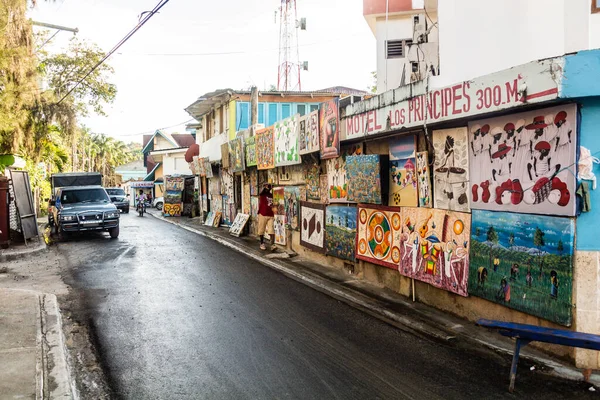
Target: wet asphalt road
178 316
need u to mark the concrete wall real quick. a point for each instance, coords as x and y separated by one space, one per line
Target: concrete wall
389 72
175 164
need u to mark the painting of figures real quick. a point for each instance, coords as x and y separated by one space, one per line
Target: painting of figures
424 180
250 150
329 124
279 199
265 148
525 162
524 262
286 141
364 181
292 206
379 233
308 141
435 247
403 179
313 172
451 169
237 157
279 227
336 174
340 231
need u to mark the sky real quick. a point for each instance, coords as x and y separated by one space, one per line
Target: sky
192 47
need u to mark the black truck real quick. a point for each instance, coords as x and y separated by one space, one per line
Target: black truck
79 203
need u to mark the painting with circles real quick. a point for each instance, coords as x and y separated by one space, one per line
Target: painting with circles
379 235
312 226
451 169
525 162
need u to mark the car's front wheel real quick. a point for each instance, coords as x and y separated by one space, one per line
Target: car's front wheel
114 233
159 206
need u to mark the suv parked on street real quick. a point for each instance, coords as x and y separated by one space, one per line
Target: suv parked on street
84 208
119 199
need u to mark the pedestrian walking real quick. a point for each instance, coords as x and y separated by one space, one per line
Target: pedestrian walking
266 215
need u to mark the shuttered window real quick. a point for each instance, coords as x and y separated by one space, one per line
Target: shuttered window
397 48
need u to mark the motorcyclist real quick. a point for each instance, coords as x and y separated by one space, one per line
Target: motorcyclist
141 199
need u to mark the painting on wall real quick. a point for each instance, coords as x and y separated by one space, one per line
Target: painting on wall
324 188
329 124
250 150
227 183
340 231
312 227
403 178
225 155
313 173
524 262
424 180
227 210
279 227
435 247
451 169
308 140
210 219
254 207
237 157
207 167
525 162
237 227
279 199
379 232
217 219
172 206
364 181
174 183
336 174
265 148
286 141
292 206
253 182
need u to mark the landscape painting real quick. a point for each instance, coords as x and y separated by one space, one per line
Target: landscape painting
379 235
265 148
524 262
451 169
364 180
435 247
340 231
403 179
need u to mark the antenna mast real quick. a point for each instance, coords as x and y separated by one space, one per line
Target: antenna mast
288 78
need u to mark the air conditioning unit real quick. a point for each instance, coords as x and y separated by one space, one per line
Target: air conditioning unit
420 28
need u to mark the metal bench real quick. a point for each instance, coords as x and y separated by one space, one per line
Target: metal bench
531 333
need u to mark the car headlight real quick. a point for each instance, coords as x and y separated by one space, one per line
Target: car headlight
68 217
111 214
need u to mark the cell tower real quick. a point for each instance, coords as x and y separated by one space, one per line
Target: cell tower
288 78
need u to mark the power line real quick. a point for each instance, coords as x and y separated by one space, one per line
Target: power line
145 19
154 130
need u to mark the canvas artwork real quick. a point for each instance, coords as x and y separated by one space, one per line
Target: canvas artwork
424 180
435 247
253 178
451 169
336 174
403 178
379 235
210 218
227 183
340 231
324 188
225 155
214 186
250 150
312 226
237 156
329 126
308 140
364 181
172 203
525 162
217 219
207 167
279 227
265 148
286 141
225 210
292 206
174 183
279 199
238 225
524 262
254 207
313 172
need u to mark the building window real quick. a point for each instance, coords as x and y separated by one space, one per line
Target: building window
301 109
595 6
243 118
261 113
397 48
286 110
272 117
314 107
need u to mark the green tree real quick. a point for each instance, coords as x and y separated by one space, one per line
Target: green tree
373 87
492 238
538 242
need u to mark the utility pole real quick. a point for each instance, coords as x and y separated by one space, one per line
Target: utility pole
57 27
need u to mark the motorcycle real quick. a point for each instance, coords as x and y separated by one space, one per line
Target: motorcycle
141 208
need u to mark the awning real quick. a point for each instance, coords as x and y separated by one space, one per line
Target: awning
212 148
150 176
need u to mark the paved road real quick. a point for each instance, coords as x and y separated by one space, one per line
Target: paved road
179 316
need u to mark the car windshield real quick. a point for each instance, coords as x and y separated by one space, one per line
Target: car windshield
116 191
83 196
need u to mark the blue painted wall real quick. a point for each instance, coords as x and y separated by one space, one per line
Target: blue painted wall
269 113
581 75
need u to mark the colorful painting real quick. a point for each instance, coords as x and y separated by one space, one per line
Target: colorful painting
329 124
312 227
238 225
308 140
312 170
435 247
292 206
217 219
424 180
403 177
340 231
451 169
210 218
254 207
324 188
265 148
172 202
237 156
286 141
226 210
524 262
336 174
172 209
379 235
364 181
525 162
253 178
250 151
279 227
225 155
279 199
174 183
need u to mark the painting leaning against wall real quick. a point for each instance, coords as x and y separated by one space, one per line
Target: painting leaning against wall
379 234
451 169
364 181
340 231
292 206
424 180
524 262
265 149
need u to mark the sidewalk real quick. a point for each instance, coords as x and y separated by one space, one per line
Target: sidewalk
383 303
20 249
32 352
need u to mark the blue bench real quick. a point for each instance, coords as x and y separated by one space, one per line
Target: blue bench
531 333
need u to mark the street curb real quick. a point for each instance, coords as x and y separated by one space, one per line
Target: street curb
18 254
368 304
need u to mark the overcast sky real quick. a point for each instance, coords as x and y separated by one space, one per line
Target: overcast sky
157 78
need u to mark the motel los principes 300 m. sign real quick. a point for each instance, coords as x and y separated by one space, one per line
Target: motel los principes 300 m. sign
494 92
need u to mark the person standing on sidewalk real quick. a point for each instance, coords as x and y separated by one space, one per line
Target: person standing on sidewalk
266 216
